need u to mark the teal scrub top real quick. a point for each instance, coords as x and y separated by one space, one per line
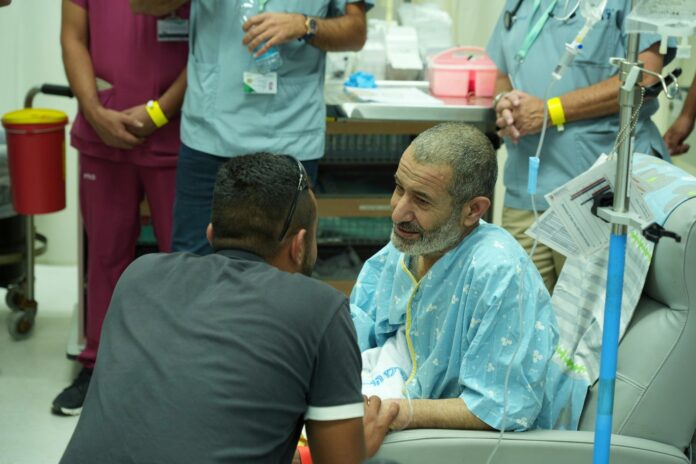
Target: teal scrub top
220 119
566 154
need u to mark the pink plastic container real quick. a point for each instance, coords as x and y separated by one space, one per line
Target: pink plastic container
461 71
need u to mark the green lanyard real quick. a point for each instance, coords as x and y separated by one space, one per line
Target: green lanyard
536 30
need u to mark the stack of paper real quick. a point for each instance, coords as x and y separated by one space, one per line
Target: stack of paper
407 96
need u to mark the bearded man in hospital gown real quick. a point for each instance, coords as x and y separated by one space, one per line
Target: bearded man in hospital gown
452 303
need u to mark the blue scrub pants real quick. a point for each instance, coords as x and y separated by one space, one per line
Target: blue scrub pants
195 179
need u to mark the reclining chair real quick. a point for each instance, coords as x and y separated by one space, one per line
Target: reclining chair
655 398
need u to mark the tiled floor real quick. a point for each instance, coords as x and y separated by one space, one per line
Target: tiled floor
34 370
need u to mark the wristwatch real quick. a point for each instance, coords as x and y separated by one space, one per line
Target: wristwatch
497 98
310 28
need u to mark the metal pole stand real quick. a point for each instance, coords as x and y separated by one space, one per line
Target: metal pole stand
629 69
620 218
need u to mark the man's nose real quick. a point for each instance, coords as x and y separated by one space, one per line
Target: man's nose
401 210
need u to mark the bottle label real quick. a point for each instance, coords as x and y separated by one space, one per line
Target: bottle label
255 83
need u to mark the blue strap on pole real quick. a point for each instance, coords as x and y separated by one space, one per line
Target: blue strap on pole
610 345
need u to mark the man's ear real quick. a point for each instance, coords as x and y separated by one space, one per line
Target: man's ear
297 248
474 210
209 233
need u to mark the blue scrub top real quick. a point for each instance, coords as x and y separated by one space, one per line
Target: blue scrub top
220 119
566 154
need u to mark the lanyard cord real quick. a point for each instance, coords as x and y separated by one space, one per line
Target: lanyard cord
536 30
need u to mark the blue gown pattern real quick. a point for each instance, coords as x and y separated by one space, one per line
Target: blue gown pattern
480 308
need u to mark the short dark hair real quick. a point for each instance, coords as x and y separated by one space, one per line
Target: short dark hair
467 151
251 201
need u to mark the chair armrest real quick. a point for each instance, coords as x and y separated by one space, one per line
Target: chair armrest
433 446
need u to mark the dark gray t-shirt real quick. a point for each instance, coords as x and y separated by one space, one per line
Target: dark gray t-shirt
214 359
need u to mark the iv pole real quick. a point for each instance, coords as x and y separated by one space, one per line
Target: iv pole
617 256
620 218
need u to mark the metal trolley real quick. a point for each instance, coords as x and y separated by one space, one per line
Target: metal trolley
20 296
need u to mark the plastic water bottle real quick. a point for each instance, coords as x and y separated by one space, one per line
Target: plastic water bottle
271 60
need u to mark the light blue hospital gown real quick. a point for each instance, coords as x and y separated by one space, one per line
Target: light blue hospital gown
463 325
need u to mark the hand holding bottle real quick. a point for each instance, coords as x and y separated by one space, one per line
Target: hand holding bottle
266 56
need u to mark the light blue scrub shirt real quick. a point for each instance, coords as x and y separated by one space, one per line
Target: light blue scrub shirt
220 119
569 153
462 323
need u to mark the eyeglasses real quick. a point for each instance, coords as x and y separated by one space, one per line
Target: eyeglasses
301 185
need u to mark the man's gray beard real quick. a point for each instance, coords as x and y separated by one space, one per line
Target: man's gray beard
441 239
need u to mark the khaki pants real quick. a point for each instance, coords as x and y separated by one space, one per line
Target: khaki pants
548 262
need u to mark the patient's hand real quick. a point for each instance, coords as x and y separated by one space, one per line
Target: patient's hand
379 416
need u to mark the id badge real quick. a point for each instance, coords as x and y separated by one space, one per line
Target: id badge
172 30
261 83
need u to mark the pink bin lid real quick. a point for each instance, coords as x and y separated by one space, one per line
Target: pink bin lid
463 58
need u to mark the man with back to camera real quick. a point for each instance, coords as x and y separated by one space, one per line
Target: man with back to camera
221 119
224 357
457 298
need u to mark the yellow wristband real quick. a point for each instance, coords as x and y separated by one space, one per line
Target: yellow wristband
154 110
556 112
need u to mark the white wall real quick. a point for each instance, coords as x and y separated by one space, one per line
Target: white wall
30 56
473 20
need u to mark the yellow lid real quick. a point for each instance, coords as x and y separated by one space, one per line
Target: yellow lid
35 116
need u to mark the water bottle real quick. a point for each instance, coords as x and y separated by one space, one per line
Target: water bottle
271 60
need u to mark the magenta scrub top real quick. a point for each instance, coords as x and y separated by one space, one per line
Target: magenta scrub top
126 53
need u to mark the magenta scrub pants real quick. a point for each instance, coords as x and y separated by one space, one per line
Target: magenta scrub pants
110 196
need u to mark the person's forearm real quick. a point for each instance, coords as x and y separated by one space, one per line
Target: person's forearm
502 83
438 414
595 101
172 99
155 7
344 33
689 108
76 58
80 73
602 98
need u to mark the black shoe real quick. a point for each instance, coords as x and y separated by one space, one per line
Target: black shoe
69 401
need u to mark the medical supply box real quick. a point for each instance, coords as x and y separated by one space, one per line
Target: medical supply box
461 71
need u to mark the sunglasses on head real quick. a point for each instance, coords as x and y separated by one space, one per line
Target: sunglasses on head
301 185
